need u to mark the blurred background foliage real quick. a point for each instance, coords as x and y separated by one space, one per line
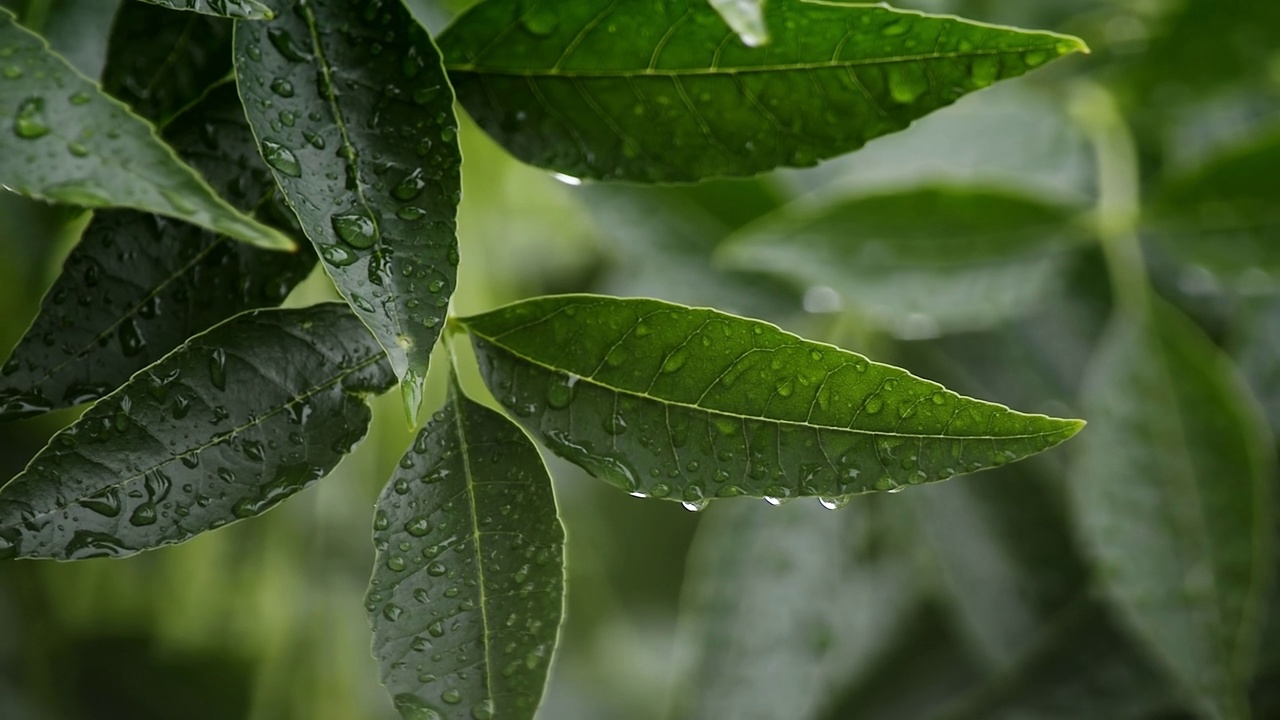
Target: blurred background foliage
968 599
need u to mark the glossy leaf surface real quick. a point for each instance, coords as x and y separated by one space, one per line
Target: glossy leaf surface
467 591
822 592
354 115
242 9
689 404
746 17
1172 496
138 285
76 145
1225 216
954 259
224 428
665 92
159 62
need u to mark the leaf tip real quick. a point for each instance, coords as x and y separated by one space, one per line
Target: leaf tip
411 387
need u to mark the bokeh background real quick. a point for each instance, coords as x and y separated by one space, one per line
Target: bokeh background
263 620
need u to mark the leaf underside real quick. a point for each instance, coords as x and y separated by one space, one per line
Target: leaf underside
355 116
467 591
665 92
75 145
223 428
958 259
1173 499
689 404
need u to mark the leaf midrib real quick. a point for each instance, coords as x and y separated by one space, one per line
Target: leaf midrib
1066 427
717 71
460 403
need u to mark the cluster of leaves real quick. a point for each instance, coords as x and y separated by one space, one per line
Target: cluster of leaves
302 133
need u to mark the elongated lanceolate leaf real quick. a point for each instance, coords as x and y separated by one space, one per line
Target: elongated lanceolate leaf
224 428
355 116
467 593
822 594
159 62
665 92
746 17
242 9
947 258
1225 216
688 404
65 141
1173 498
138 285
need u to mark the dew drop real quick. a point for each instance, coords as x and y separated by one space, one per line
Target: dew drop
29 122
284 43
281 158
411 708
358 231
282 87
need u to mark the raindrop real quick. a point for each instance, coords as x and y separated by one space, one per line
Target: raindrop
410 187
282 87
29 122
358 231
281 158
567 179
835 503
218 368
284 43
411 708
418 527
453 696
696 505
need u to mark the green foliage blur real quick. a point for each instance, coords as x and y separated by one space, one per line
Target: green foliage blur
264 620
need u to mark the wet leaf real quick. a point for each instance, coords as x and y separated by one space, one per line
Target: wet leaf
665 92
746 17
1225 215
1173 498
159 62
822 593
952 259
138 285
77 146
354 114
224 428
241 9
689 404
467 591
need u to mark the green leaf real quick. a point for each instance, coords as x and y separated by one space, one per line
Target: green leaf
159 62
138 285
1005 554
746 17
689 404
223 428
355 116
956 259
1225 216
1082 668
1255 346
468 588
78 146
664 92
241 9
1173 498
822 593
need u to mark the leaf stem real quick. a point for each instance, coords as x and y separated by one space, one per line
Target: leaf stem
1118 212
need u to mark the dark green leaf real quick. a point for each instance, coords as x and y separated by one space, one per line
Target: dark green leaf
1005 553
467 592
746 17
1256 349
664 92
223 428
689 404
950 258
1225 216
1082 668
1173 497
138 285
159 62
242 9
784 605
78 146
355 116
